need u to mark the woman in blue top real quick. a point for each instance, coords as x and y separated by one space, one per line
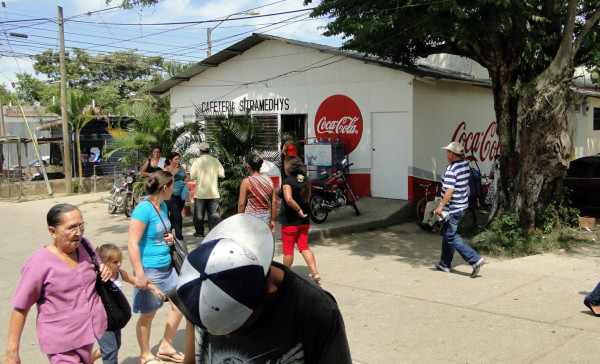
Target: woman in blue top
148 244
175 203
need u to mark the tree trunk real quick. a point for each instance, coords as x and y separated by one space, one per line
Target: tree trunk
535 144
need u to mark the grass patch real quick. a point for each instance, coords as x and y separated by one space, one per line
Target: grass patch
504 238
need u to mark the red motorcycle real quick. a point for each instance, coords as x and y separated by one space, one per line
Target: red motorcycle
331 194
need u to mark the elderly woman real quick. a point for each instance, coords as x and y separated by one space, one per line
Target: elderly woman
59 279
149 244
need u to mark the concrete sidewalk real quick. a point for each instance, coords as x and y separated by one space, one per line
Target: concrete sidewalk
396 306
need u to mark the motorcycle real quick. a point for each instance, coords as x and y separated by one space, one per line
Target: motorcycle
331 194
122 198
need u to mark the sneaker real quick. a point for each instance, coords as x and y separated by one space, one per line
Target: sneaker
439 266
476 267
199 235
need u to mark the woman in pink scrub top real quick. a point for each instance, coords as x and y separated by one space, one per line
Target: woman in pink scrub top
59 278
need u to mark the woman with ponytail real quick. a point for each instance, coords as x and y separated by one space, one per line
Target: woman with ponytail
257 194
293 215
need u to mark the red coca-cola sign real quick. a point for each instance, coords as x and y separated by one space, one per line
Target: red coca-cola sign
481 145
338 117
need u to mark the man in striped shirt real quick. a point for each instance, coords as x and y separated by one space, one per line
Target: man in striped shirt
455 201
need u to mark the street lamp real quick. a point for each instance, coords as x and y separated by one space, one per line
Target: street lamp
209 30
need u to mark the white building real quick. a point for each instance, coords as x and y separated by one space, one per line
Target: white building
393 118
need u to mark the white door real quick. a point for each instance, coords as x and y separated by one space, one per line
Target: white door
392 154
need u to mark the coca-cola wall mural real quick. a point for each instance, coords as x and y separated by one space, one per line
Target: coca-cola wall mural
479 145
338 118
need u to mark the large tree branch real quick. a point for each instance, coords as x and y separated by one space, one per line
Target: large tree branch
565 54
587 27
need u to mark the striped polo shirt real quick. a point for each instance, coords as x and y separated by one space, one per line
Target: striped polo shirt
456 177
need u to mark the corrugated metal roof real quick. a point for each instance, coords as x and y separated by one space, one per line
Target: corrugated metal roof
255 39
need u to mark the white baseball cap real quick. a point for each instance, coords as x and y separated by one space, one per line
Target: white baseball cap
455 148
222 281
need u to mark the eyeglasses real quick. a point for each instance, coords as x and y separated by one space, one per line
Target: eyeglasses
75 229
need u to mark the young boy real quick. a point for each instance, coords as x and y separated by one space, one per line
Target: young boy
112 256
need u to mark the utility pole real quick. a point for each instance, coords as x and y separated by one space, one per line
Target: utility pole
63 106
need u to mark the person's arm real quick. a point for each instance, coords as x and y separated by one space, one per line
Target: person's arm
287 196
447 196
273 210
15 330
136 230
143 170
221 170
190 343
243 196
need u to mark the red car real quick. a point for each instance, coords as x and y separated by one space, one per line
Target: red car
583 177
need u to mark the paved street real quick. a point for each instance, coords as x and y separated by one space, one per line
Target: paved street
397 308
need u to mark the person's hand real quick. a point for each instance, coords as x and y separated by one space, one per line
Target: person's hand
105 272
302 214
272 226
169 238
141 282
438 210
159 294
12 357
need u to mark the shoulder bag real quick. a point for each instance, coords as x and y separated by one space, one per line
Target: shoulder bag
118 311
178 250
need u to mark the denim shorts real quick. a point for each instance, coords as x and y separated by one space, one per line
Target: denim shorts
146 301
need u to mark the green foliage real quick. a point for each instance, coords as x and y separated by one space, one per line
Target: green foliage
505 238
29 89
149 128
8 97
232 138
128 4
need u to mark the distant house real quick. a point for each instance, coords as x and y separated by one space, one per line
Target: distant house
47 128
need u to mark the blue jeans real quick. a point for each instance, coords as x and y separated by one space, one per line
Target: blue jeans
594 297
211 206
451 241
110 343
175 205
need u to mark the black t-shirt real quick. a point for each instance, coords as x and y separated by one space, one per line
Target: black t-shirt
287 215
300 324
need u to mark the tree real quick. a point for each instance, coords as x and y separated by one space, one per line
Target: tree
113 79
8 97
530 48
128 4
232 138
150 127
31 90
80 112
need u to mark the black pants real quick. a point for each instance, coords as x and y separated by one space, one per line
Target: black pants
175 205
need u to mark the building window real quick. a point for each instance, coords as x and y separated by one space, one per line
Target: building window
596 118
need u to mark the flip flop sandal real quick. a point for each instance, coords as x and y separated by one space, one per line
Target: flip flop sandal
154 360
175 357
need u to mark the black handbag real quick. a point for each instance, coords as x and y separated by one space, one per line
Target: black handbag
118 310
178 250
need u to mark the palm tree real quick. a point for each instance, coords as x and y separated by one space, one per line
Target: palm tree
80 112
150 127
232 138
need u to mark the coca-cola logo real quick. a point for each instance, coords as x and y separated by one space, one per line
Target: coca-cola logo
338 117
483 145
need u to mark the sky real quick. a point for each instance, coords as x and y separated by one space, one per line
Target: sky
99 28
